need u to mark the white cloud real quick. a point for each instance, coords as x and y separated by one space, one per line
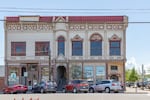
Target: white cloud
132 63
147 68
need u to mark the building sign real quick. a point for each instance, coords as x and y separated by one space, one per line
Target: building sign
88 72
25 74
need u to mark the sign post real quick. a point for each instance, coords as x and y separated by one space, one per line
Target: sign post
25 75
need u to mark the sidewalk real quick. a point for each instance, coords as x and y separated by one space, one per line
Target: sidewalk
136 90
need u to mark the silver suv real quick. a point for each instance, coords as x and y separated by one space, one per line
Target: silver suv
106 86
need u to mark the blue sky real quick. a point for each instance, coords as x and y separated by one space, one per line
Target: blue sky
137 35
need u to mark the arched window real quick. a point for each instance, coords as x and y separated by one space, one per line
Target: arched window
96 45
114 46
61 45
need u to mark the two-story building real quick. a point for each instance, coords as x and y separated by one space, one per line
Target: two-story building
64 48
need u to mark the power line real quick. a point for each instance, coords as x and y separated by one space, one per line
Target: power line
60 12
56 10
79 9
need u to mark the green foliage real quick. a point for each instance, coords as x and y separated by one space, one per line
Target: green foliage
127 74
131 75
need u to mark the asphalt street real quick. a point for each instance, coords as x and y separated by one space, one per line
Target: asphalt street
71 96
129 94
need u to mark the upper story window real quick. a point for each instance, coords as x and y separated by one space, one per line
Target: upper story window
77 46
41 48
61 45
96 45
18 48
114 68
114 47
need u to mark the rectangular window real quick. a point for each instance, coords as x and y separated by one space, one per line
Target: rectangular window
96 48
76 72
61 48
88 72
77 48
100 72
18 48
41 48
115 48
115 68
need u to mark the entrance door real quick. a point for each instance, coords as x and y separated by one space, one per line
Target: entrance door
23 77
61 77
114 77
32 74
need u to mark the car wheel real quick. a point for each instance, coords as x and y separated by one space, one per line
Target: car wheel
24 91
74 90
107 90
32 91
64 90
42 90
91 90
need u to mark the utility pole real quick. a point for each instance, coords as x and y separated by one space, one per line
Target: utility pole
142 77
49 54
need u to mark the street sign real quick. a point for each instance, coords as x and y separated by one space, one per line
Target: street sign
25 74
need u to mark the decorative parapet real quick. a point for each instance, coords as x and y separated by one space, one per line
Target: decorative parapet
28 27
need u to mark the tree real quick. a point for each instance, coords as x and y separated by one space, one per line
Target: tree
133 75
127 74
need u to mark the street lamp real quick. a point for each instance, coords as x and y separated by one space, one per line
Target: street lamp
142 77
6 71
49 54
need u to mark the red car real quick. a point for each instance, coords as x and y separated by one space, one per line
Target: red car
76 86
15 89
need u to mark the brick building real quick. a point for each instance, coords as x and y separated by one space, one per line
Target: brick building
64 47
2 77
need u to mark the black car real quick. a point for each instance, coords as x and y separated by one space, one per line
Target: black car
44 87
129 84
148 85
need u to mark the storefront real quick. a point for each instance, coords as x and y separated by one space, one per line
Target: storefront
13 75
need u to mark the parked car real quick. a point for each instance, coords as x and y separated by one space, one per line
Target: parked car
129 84
141 84
19 88
148 85
106 85
76 86
90 82
44 87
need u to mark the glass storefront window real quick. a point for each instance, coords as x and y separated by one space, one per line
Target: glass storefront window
76 72
100 73
45 73
88 72
13 77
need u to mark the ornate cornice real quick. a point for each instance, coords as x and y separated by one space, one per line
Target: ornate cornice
28 27
40 26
